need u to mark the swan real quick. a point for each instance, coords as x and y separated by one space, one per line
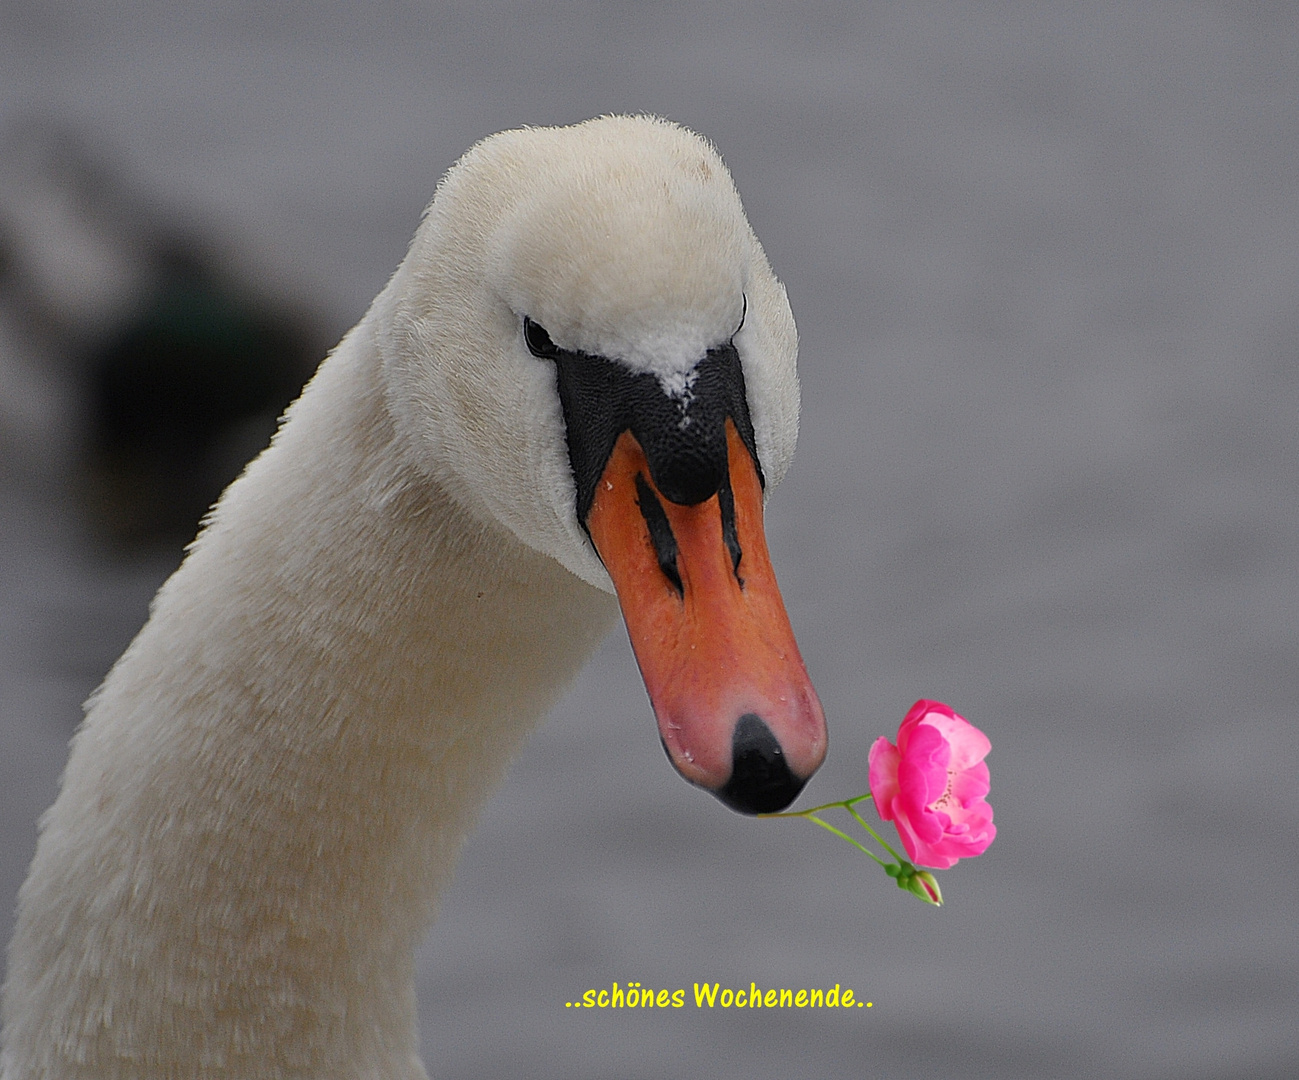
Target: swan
570 398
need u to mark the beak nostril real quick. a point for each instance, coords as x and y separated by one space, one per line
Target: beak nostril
761 781
660 531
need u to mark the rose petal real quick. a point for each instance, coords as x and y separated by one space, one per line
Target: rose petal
969 744
971 785
884 758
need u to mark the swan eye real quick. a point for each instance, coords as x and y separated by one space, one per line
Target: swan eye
539 343
744 313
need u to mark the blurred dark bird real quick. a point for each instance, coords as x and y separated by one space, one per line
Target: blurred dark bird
183 392
172 359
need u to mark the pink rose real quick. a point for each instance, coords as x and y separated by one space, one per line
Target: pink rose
931 785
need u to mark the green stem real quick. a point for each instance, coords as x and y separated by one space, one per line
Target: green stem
850 806
903 873
846 804
882 842
843 835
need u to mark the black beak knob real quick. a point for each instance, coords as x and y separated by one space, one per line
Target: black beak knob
761 781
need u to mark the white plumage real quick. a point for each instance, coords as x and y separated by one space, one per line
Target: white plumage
272 784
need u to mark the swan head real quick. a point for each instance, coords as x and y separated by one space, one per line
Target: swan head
587 346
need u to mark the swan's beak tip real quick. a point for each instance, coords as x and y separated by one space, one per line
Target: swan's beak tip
761 780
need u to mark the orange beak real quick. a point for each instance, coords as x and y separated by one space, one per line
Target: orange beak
736 711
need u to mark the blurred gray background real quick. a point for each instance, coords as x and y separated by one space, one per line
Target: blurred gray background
1045 265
